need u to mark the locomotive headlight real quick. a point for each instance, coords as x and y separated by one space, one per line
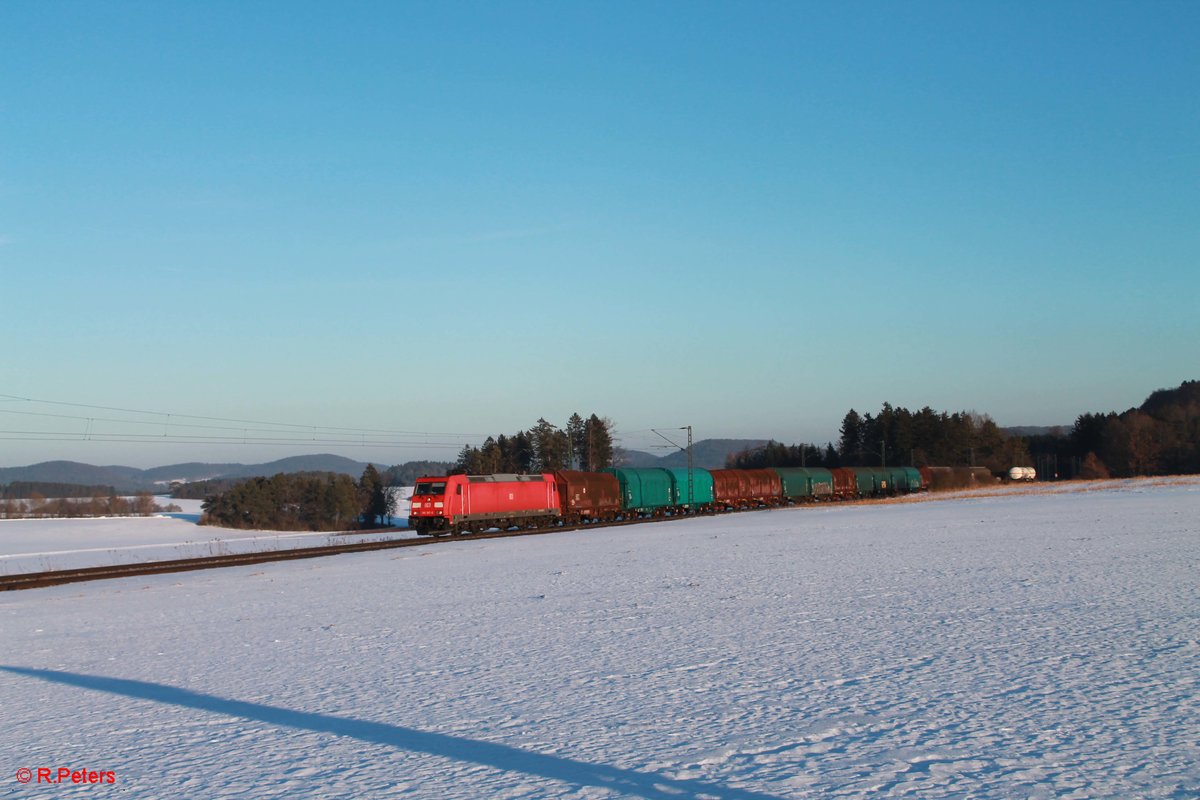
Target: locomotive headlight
438 505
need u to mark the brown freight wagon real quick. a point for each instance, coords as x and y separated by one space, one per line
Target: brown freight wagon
742 488
588 496
845 483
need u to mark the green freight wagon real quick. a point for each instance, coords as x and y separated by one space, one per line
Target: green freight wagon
914 479
886 480
867 479
892 480
646 490
800 483
702 486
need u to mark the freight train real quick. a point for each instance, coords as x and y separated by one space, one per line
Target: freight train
473 503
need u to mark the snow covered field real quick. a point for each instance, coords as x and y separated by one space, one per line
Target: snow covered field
1030 645
37 545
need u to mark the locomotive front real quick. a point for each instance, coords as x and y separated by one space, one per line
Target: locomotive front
430 509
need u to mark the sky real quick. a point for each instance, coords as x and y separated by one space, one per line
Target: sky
404 226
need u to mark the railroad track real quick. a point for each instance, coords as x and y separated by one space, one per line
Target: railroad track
34 580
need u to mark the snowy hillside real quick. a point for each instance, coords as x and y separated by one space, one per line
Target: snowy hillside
1032 645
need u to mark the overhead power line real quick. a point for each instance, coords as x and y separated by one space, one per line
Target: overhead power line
169 415
147 426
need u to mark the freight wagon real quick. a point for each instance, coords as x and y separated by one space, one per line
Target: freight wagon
588 496
746 488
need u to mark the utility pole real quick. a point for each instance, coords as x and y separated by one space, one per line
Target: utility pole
691 492
691 482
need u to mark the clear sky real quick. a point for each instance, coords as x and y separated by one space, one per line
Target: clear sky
458 217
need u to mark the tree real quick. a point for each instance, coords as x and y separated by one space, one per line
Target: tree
1132 444
377 502
523 453
1093 468
1087 434
831 457
577 434
551 446
489 458
468 462
850 444
598 442
143 504
313 501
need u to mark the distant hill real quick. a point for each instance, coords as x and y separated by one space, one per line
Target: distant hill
635 458
76 473
706 454
132 479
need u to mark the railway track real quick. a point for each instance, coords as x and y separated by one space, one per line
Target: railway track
34 580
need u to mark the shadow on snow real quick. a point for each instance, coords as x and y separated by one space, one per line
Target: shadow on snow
488 754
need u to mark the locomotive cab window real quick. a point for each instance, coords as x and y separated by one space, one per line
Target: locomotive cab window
430 489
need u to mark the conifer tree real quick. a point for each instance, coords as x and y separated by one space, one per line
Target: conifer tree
378 503
599 443
577 433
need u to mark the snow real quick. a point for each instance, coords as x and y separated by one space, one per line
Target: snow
37 545
1033 645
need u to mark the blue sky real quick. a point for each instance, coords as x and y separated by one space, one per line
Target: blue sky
458 217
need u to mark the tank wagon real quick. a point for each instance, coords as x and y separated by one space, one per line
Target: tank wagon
1022 474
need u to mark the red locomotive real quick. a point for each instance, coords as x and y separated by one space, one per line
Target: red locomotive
468 503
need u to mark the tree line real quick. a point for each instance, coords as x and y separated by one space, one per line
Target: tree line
1159 437
900 437
583 444
23 490
34 505
303 501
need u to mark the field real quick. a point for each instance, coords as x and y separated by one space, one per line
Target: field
36 545
1034 644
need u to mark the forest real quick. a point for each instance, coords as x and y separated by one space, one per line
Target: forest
1160 437
303 502
583 444
899 437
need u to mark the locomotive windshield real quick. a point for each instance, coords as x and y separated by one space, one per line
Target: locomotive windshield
430 488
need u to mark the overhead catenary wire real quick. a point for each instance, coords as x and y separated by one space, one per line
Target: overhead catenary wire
211 429
200 429
209 418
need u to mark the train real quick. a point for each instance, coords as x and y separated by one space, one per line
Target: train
458 504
